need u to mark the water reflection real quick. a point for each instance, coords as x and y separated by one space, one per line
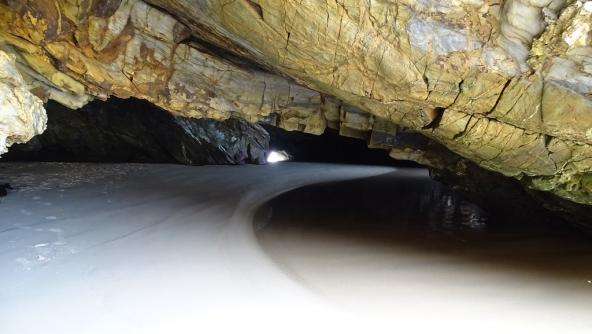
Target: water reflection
402 238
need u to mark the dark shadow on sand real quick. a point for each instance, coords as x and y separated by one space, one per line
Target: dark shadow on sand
407 210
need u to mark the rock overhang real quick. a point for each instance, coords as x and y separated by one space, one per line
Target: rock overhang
504 85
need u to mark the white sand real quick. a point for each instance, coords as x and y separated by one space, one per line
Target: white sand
148 249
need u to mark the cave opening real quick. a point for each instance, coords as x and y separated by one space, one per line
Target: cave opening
132 130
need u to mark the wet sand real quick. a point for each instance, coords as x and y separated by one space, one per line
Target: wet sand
87 248
401 247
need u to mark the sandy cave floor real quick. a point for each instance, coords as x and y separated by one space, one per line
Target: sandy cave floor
131 248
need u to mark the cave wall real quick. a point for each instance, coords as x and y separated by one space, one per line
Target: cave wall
134 130
504 84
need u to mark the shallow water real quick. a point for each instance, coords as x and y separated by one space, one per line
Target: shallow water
399 245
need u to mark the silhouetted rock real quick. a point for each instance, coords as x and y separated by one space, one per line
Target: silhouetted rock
136 131
4 188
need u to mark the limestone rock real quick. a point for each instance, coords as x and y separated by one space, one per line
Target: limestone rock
505 84
21 113
128 48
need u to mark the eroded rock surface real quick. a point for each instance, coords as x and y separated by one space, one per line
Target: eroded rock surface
504 84
21 113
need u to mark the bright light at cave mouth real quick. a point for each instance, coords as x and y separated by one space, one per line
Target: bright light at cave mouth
275 156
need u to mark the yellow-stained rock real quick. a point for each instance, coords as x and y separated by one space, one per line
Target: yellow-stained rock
506 84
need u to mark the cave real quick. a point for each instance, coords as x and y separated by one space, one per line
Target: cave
305 167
